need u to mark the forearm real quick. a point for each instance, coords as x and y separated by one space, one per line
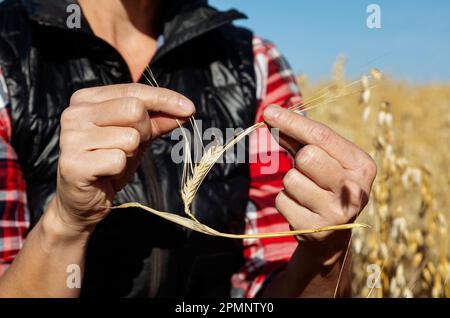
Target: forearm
313 273
40 268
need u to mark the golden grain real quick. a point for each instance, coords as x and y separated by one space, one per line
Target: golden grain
406 129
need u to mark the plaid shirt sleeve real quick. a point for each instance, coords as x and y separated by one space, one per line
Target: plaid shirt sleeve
269 162
14 216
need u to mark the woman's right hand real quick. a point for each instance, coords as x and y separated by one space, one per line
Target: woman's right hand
104 132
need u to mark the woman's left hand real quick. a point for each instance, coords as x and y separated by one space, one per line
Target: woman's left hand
332 177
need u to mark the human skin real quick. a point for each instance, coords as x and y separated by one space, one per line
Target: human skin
329 185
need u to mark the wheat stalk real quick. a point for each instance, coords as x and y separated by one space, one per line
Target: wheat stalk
191 183
195 174
199 227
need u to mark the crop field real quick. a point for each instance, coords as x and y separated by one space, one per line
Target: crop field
406 128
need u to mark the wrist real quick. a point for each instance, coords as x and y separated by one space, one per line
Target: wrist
56 230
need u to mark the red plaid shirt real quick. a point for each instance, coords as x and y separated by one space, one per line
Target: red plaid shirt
14 216
263 258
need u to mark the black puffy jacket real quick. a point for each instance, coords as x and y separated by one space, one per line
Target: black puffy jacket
204 57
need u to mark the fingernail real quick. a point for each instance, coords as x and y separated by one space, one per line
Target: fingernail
186 104
272 111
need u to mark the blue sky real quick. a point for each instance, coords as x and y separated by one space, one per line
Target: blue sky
413 42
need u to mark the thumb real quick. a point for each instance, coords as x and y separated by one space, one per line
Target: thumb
163 123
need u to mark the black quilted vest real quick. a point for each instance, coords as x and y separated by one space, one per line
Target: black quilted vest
204 57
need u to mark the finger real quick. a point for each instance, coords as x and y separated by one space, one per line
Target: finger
154 98
296 215
91 165
288 143
310 132
126 139
161 124
352 200
320 167
307 193
106 162
124 112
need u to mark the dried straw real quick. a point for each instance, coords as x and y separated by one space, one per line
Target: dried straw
195 174
199 227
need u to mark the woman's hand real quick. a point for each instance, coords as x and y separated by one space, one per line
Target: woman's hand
329 185
331 180
104 132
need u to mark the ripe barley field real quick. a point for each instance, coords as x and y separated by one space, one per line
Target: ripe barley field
406 128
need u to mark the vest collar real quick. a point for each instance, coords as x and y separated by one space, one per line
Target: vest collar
186 25
183 20
52 13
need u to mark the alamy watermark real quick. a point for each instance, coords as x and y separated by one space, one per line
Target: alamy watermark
374 19
260 147
374 277
73 279
73 20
